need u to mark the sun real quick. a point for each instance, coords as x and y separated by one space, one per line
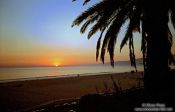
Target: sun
56 62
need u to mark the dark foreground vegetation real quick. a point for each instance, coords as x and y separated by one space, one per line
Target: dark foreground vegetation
130 100
127 101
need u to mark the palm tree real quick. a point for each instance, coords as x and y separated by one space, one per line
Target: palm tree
145 16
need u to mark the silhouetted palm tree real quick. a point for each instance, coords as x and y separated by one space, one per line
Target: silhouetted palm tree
150 17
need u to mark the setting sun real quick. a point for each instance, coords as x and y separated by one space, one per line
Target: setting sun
56 62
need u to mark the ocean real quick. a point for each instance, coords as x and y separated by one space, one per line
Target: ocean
8 74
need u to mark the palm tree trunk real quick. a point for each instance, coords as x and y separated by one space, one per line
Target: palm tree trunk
155 23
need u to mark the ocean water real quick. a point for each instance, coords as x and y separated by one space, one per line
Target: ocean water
50 72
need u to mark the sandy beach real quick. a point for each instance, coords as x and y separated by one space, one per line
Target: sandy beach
19 95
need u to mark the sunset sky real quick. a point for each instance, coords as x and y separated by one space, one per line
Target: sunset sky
39 33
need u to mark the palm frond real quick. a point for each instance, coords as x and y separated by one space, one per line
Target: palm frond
111 35
103 20
88 22
113 30
96 8
86 1
111 47
131 52
99 43
134 25
127 36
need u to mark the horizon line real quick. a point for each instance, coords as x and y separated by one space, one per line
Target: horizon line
21 66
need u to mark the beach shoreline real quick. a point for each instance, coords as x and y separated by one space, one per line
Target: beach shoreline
55 77
62 76
18 95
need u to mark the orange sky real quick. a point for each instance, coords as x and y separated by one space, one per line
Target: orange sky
46 57
39 34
